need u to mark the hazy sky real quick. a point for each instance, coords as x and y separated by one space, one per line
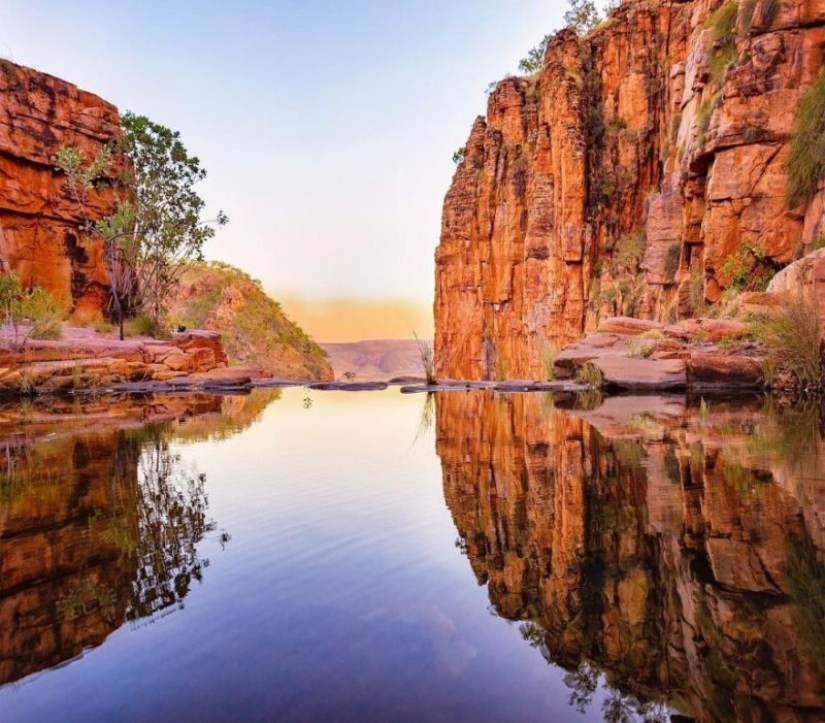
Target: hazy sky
327 128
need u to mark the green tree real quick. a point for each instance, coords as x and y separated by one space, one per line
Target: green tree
156 230
169 231
535 57
582 16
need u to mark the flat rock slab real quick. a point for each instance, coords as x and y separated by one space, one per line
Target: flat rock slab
719 370
637 374
348 386
629 326
407 380
624 417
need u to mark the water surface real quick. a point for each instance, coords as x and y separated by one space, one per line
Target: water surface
333 556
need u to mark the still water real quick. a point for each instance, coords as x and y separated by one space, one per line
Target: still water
375 556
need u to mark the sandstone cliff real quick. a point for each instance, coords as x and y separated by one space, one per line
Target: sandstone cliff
641 172
38 219
255 331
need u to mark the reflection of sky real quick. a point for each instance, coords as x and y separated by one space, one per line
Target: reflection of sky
340 592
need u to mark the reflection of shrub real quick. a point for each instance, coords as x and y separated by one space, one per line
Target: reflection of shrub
806 579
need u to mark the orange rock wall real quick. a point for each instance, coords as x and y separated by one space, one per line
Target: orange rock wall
38 218
620 178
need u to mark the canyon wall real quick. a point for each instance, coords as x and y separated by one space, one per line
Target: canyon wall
39 219
678 553
641 172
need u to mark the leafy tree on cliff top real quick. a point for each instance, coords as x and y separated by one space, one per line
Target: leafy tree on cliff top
156 229
582 16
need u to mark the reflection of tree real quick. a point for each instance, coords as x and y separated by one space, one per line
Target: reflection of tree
582 683
170 517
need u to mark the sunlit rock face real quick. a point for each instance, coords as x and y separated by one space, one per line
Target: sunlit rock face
679 552
100 520
639 173
39 219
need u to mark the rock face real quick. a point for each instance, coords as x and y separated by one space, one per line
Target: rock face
641 172
38 218
679 551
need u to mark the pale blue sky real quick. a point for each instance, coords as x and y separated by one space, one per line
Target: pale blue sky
326 127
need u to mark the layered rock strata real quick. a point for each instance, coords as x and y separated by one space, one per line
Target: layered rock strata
39 219
44 367
641 172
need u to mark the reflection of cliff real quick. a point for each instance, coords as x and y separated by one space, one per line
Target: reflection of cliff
680 552
100 525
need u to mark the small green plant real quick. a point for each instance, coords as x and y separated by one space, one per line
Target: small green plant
549 362
790 334
806 159
696 293
722 21
742 268
705 114
425 354
727 342
590 375
458 156
27 313
143 325
672 258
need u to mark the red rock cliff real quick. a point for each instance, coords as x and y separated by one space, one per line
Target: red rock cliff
623 176
38 219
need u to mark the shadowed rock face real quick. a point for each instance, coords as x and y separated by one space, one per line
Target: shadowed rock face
99 520
680 552
630 176
38 218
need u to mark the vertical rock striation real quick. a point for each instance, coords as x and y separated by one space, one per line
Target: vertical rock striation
39 220
641 172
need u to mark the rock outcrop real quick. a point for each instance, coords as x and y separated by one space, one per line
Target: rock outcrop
641 172
88 361
39 219
679 551
255 329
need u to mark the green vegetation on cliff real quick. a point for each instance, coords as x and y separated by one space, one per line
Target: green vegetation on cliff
255 330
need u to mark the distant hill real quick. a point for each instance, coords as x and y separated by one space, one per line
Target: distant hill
377 360
254 328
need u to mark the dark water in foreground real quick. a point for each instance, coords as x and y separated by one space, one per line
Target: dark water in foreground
384 557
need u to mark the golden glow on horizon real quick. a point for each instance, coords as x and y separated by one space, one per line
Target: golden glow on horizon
349 319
